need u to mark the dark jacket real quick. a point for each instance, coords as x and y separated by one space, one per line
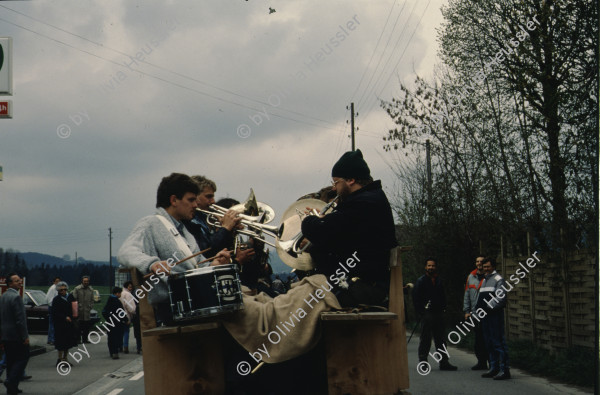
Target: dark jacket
13 322
363 224
65 336
113 304
427 290
206 237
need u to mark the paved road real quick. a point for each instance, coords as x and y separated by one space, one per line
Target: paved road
100 375
468 382
96 374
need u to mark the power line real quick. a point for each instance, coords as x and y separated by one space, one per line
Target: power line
398 62
174 83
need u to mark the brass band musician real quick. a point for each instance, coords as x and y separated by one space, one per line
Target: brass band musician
362 226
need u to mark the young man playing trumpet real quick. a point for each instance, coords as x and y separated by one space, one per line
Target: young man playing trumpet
362 226
158 241
198 226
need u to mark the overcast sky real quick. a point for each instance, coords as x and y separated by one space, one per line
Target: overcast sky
109 97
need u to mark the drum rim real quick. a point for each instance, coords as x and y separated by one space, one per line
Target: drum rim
204 270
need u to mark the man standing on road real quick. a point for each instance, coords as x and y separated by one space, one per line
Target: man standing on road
430 303
84 295
50 295
13 328
492 298
474 281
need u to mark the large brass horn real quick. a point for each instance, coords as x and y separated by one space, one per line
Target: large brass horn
291 243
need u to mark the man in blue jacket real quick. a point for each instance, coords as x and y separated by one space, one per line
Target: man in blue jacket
492 298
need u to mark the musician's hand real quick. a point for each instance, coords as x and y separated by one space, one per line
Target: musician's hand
160 266
467 315
244 256
222 258
313 211
230 220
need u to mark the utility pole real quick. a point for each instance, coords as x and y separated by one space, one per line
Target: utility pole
75 258
352 125
429 184
110 271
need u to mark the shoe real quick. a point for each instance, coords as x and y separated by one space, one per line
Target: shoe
480 366
490 374
115 356
139 351
58 361
445 365
50 343
86 342
27 377
505 375
126 350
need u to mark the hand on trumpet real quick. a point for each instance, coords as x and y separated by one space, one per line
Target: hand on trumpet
313 211
230 220
244 255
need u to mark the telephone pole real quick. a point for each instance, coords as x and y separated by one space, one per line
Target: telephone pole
110 271
352 124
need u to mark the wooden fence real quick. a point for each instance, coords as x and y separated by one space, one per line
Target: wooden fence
554 305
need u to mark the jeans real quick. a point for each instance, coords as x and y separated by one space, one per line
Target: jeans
495 342
126 337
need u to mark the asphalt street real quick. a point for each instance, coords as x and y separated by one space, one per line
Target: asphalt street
468 382
98 374
93 374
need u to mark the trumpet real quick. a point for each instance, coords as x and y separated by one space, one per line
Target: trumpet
255 217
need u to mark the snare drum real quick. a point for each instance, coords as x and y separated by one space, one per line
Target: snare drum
205 292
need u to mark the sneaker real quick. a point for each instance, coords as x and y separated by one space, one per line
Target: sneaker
480 366
505 375
26 377
490 374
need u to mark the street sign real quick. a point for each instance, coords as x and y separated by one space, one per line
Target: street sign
6 109
6 66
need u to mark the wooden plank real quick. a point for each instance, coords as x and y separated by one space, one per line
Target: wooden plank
365 357
161 331
184 364
368 316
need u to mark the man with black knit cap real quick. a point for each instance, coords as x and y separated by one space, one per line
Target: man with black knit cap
362 226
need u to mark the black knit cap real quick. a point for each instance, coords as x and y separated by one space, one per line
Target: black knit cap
351 165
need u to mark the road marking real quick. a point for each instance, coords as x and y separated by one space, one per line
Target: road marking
115 391
137 376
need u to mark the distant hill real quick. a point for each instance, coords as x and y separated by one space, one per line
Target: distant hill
35 259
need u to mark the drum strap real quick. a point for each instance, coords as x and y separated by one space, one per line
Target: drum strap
179 239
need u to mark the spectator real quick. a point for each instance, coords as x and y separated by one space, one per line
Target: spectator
84 295
430 302
128 302
474 281
62 313
50 295
114 313
15 337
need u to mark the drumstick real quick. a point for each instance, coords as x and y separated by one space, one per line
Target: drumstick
181 261
211 259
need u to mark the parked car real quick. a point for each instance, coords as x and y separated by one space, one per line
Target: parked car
36 310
